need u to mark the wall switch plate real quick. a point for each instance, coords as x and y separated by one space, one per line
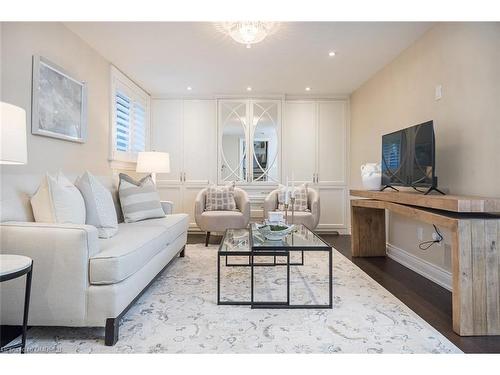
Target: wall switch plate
420 233
438 92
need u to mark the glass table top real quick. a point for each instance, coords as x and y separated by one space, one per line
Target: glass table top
242 240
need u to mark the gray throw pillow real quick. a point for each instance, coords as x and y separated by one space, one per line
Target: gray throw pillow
139 199
220 198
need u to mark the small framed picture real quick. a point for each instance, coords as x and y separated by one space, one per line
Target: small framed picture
59 103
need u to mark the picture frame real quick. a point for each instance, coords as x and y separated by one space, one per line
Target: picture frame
59 103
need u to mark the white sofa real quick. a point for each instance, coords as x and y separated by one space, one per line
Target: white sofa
80 280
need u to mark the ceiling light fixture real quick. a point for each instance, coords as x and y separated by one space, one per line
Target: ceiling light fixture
332 53
189 88
248 32
308 89
249 88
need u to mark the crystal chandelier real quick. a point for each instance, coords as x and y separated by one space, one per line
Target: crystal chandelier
248 32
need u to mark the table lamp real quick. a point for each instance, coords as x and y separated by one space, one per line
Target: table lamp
13 134
153 162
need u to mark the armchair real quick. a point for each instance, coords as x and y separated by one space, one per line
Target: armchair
219 221
309 219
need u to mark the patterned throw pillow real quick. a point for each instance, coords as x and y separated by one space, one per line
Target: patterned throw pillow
300 198
220 198
139 199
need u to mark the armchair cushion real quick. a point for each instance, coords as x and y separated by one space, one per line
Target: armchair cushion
219 221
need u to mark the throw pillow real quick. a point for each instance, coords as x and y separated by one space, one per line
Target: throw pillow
301 203
57 200
99 204
139 199
220 198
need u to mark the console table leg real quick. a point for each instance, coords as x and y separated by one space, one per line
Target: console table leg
368 232
476 277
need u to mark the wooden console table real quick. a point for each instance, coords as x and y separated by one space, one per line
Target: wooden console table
474 223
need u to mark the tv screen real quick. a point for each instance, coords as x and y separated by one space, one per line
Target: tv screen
408 157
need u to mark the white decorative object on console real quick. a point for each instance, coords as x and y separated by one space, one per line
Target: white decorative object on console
371 175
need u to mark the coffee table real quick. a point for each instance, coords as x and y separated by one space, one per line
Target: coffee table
250 243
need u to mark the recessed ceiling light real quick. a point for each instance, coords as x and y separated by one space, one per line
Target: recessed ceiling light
189 88
331 53
249 88
308 88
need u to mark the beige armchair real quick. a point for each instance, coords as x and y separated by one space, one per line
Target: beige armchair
219 221
309 219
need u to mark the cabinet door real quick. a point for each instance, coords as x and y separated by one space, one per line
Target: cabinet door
332 142
200 152
333 202
299 141
167 134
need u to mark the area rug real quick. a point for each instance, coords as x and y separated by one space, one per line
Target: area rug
179 314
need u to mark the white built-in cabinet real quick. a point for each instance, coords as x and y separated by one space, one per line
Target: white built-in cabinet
186 129
315 151
311 143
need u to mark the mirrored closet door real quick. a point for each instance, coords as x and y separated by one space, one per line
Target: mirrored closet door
249 141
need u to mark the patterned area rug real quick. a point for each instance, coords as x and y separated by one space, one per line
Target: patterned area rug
179 314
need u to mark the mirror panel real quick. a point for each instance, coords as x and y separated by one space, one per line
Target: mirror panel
233 140
265 142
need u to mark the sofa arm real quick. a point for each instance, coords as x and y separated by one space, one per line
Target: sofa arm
168 207
60 254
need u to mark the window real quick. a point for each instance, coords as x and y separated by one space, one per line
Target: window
130 118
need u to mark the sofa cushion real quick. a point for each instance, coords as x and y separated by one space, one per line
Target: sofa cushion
219 221
133 246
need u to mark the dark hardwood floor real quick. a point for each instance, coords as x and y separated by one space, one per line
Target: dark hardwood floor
427 299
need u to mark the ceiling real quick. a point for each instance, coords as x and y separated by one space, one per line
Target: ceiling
166 57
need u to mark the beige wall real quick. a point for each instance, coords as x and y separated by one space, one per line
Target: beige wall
19 42
465 59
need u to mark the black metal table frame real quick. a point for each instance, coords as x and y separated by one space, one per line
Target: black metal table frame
273 251
28 271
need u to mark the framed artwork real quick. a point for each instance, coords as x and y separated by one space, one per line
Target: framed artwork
59 103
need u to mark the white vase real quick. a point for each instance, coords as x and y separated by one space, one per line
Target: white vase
371 175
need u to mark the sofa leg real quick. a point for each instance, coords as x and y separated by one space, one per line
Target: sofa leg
182 253
111 334
207 238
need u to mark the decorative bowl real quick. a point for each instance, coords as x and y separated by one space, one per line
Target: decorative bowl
275 232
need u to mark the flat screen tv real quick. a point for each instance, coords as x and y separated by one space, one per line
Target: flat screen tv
408 157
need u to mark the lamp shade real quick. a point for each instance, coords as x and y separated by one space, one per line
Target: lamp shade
153 162
13 134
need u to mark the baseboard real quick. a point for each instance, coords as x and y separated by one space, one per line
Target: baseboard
422 267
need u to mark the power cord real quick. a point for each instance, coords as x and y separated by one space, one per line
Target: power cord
427 244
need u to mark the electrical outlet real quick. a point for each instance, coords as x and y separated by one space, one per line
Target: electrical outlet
420 233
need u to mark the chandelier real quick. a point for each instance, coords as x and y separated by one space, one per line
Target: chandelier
248 32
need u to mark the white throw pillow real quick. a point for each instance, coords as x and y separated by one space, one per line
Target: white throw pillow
99 204
57 200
